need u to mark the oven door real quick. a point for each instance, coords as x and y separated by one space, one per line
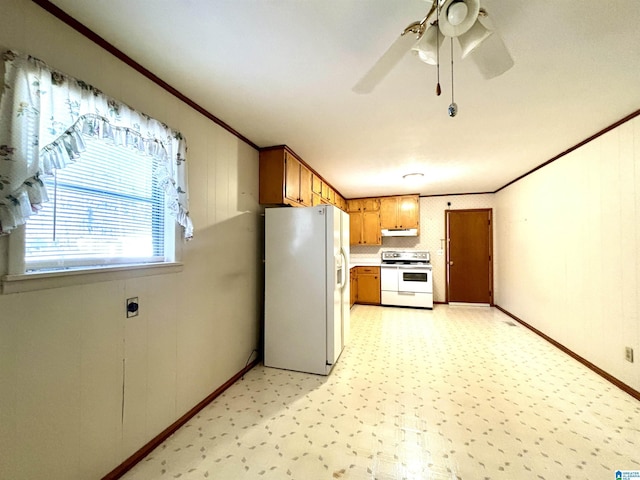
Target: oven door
414 279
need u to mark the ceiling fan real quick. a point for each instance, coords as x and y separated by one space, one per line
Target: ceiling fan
464 20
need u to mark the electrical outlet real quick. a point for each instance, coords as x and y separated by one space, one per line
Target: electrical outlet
132 307
628 354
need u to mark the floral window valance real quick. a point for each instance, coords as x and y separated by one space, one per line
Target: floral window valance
43 117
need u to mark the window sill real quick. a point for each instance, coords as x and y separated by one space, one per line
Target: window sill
29 282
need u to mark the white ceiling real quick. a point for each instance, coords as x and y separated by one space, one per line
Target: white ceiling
281 72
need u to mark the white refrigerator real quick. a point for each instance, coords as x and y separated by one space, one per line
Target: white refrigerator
306 287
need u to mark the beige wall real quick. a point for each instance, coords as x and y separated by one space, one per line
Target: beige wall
569 250
62 349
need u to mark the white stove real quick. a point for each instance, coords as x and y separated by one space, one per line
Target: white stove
406 278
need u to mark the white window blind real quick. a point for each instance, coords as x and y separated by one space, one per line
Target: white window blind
104 209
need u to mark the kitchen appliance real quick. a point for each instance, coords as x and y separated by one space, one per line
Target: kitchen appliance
464 20
406 279
306 287
399 232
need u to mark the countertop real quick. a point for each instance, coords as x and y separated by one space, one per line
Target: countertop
364 262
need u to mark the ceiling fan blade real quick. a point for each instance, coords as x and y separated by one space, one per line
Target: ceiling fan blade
385 64
491 57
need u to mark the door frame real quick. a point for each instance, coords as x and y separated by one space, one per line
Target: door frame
491 254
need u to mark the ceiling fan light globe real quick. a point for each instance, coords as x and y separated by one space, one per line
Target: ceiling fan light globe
427 57
492 56
470 40
465 23
456 13
427 46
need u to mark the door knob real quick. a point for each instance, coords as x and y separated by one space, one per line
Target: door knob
451 262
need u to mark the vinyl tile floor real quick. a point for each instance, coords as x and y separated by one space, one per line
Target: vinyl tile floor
454 393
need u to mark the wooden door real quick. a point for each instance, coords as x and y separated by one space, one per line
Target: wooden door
469 256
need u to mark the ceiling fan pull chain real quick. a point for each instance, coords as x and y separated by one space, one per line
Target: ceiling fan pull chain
437 27
453 108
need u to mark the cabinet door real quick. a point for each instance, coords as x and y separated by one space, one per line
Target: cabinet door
304 188
325 191
388 212
408 212
316 186
371 204
354 206
353 286
368 288
371 228
355 228
292 178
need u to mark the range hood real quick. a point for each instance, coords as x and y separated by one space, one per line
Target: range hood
399 232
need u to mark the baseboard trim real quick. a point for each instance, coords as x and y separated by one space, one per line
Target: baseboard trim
130 462
618 383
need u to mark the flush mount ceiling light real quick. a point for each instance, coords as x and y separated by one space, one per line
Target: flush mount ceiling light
413 176
464 20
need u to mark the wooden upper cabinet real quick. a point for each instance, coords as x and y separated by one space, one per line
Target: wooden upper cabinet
297 185
316 185
363 205
409 211
399 212
364 228
354 205
284 179
355 228
371 204
305 185
371 228
292 178
325 191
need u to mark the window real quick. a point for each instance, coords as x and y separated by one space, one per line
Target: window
109 183
106 208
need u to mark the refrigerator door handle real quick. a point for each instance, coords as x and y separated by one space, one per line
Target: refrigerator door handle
344 269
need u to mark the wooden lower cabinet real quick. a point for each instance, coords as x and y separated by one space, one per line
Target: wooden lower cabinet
368 285
353 287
